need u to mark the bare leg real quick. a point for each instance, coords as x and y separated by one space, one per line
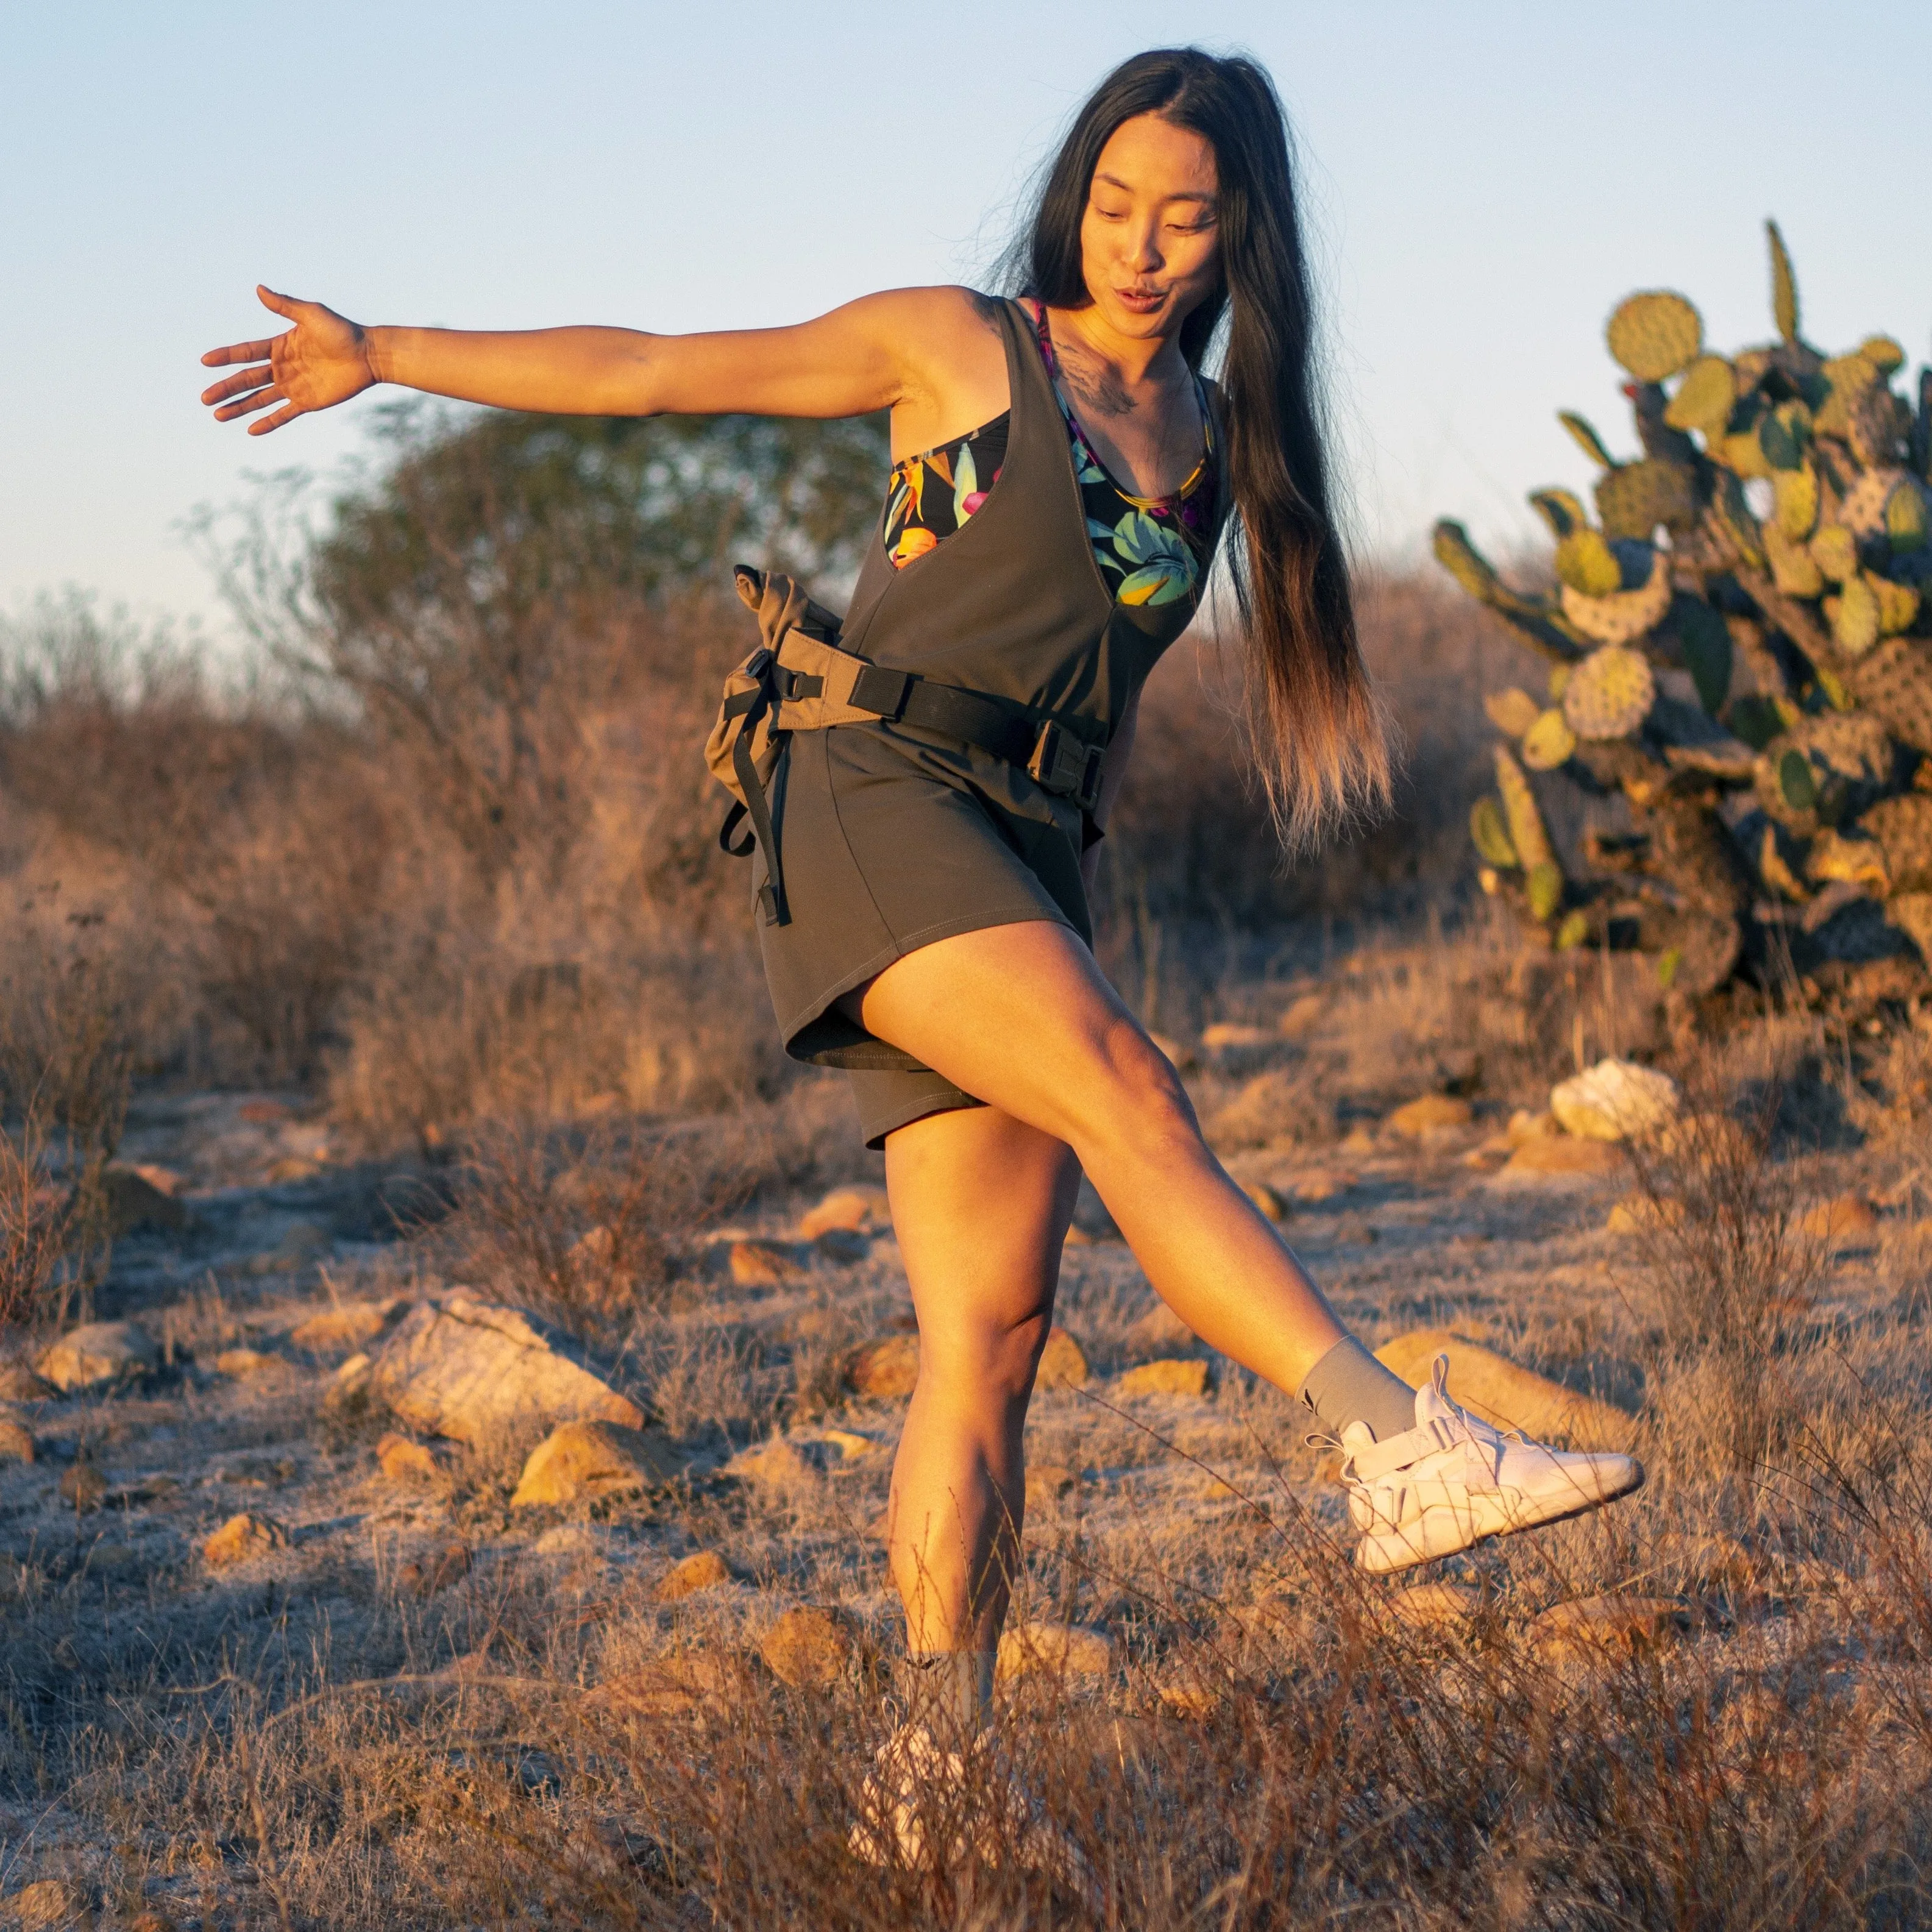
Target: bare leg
1021 1016
981 1205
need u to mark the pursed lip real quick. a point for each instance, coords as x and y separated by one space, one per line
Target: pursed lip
1142 298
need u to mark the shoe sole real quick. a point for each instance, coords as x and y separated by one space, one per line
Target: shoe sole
1393 1550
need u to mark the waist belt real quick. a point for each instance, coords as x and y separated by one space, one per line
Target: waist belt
811 684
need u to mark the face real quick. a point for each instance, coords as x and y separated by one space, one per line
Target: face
1149 241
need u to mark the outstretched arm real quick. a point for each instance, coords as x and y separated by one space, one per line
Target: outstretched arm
871 354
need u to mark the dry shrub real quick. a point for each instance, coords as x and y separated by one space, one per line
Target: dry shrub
37 1228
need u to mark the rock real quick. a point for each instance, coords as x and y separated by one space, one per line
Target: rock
1435 1606
19 1383
780 1461
131 1204
243 1363
151 1921
1556 1160
1604 1627
1167 1378
83 1487
808 1647
1525 1126
470 1369
48 1904
1048 1482
1171 1050
292 1168
1846 1221
851 1446
1320 1183
1430 1114
350 1325
1184 1693
579 1461
704 1570
1223 1034
1270 1204
1358 1140
676 1686
1053 1650
1615 1100
1063 1363
403 1460
1644 1214
887 1368
434 1569
99 1355
163 1180
16 1440
241 1539
856 1210
763 1264
843 1246
1503 1392
1159 1329
1302 1016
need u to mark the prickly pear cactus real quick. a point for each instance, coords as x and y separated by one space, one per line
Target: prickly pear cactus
1740 650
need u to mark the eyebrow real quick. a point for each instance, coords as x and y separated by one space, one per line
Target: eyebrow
1126 187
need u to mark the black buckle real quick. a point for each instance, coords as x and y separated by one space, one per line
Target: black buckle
1065 766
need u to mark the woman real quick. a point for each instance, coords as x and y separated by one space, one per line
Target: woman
1063 474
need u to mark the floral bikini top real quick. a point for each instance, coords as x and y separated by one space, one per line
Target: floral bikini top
1151 550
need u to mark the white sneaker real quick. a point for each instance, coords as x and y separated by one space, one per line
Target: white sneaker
1453 1479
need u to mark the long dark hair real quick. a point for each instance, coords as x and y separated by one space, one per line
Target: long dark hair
1319 734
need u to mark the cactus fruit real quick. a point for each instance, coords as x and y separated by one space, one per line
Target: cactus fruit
1623 615
1512 712
1801 774
1609 694
1548 742
1654 334
1705 398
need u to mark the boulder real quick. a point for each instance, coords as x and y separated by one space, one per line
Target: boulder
1063 1363
241 1539
350 1325
131 1204
1053 1650
242 1364
580 1461
808 1647
780 1461
403 1460
1430 1114
1849 1221
49 1905
763 1264
16 1439
19 1383
856 1210
1505 1393
100 1355
471 1369
1556 1160
703 1569
885 1368
1604 1628
1616 1100
1159 1330
1172 1377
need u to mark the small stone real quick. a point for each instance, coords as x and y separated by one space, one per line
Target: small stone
163 1180
1435 1606
1270 1204
1053 1650
856 1210
16 1440
1430 1113
402 1459
843 1247
1849 1221
1644 1214
704 1570
1358 1140
852 1447
763 1264
1185 1694
241 1539
82 1486
808 1647
19 1383
676 1686
1504 1392
1616 1100
132 1203
1171 1050
1048 1482
1525 1126
151 1921
580 1461
1167 1378
1223 1034
1559 1159
292 1168
1302 1016
101 1353
48 1904
351 1324
781 1461
433 1570
885 1368
243 1363
1603 1627
1158 1330
1320 1183
1063 1363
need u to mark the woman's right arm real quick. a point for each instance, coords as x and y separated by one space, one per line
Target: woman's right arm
850 362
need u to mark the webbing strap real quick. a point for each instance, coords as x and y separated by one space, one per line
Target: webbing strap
771 895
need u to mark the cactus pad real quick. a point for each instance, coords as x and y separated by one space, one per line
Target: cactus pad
1796 492
1884 354
1586 438
1490 835
1527 834
1609 694
1548 742
1705 398
1835 551
1563 512
1624 615
1654 334
1634 498
1793 568
1893 685
1705 643
1856 616
1586 563
1545 882
1903 827
1897 604
1908 516
1862 507
1783 286
1512 712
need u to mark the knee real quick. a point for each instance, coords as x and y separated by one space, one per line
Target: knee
1142 1102
985 1365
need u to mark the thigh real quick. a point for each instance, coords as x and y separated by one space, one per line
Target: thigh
981 1204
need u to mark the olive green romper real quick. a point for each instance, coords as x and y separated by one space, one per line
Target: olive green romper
892 836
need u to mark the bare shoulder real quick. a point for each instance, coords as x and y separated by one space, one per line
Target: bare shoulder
923 325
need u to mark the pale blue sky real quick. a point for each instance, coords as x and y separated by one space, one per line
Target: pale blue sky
1487 178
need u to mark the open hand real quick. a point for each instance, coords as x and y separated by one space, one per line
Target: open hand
323 360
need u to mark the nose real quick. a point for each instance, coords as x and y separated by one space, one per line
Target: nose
1143 251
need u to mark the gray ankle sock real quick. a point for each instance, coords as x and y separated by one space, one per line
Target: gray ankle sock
1349 1385
954 1687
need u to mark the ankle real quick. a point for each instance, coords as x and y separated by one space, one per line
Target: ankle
950 1690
